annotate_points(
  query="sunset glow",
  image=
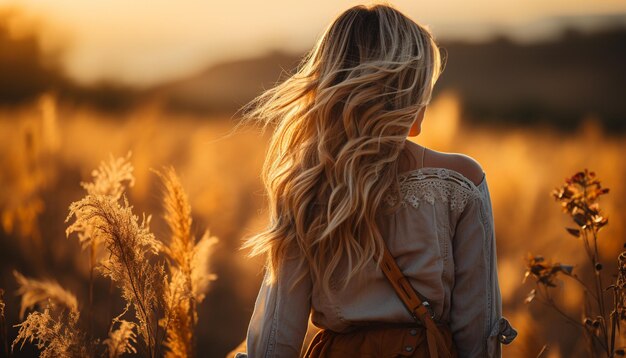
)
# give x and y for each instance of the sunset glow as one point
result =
(147, 41)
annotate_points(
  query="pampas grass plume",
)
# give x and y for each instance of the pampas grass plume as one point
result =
(34, 292)
(188, 266)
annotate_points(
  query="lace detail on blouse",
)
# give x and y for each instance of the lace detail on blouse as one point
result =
(430, 184)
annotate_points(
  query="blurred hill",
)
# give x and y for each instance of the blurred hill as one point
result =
(559, 81)
(225, 87)
(501, 82)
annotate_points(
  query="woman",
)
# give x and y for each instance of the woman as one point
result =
(343, 181)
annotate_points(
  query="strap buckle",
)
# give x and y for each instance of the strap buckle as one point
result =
(429, 308)
(419, 316)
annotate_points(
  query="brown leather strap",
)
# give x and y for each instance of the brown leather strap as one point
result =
(415, 303)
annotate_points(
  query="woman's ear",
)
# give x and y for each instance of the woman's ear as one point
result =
(416, 128)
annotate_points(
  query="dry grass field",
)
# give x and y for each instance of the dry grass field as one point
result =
(49, 148)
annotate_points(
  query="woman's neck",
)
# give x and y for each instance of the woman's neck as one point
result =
(410, 156)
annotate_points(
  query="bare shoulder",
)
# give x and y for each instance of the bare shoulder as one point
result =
(462, 163)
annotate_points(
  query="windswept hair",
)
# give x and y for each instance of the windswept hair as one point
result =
(340, 123)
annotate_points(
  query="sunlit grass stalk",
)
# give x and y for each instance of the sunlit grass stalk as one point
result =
(188, 267)
(111, 178)
(34, 292)
(121, 340)
(130, 246)
(55, 330)
(92, 267)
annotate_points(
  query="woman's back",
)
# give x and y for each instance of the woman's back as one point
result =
(420, 236)
(442, 234)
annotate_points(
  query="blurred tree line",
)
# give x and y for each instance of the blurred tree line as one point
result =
(500, 82)
(27, 71)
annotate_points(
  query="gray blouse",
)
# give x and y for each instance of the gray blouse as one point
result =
(443, 239)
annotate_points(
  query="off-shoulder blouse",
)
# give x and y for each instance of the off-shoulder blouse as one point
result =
(443, 239)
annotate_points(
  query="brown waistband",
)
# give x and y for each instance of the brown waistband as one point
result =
(379, 325)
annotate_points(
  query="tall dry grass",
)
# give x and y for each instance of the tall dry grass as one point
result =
(187, 265)
(28, 169)
(54, 328)
(110, 179)
(122, 339)
(132, 250)
(162, 283)
(35, 292)
(221, 180)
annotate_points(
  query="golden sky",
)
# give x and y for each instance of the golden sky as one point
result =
(144, 41)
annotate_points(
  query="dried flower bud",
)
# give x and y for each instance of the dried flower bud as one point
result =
(598, 266)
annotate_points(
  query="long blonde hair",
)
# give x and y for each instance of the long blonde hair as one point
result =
(340, 123)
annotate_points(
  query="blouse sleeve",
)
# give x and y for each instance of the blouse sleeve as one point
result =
(280, 318)
(476, 318)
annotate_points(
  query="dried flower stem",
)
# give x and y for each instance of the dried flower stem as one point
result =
(578, 199)
(583, 284)
(547, 299)
(543, 350)
(594, 259)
